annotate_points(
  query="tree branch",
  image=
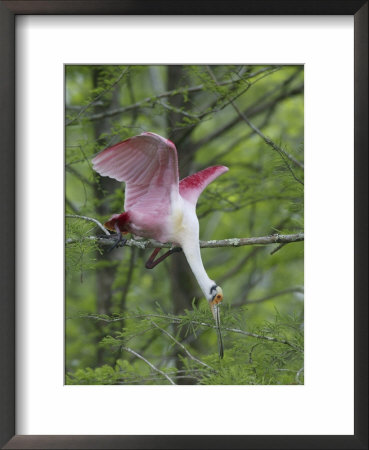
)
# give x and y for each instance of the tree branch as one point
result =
(267, 140)
(71, 205)
(298, 289)
(239, 266)
(89, 219)
(97, 97)
(233, 242)
(251, 111)
(149, 100)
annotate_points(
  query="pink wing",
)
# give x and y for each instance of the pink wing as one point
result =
(191, 187)
(147, 164)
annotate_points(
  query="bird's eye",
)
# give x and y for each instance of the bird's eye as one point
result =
(217, 299)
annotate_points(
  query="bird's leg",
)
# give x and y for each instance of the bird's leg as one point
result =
(152, 262)
(120, 241)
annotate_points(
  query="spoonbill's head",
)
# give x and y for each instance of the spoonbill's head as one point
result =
(118, 223)
(215, 298)
(110, 224)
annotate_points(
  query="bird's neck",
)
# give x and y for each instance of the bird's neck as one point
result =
(191, 250)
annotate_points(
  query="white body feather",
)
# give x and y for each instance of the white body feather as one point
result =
(183, 229)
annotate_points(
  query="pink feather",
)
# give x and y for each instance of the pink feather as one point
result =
(191, 187)
(148, 164)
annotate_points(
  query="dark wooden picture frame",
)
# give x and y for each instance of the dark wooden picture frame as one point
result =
(8, 12)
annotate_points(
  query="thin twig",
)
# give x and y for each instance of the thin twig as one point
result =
(182, 346)
(97, 97)
(298, 375)
(275, 294)
(143, 380)
(129, 350)
(239, 266)
(257, 336)
(267, 140)
(128, 282)
(175, 319)
(77, 174)
(179, 111)
(253, 110)
(251, 350)
(217, 157)
(272, 144)
(90, 219)
(71, 205)
(150, 100)
(277, 248)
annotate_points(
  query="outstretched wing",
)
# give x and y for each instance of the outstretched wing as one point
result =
(147, 164)
(191, 187)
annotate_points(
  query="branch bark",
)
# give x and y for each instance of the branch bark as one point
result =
(233, 242)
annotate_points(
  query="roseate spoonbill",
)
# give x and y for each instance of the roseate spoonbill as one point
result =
(159, 206)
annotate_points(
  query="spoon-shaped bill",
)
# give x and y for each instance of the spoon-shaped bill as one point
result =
(216, 314)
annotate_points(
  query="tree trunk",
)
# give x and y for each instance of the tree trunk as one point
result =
(105, 276)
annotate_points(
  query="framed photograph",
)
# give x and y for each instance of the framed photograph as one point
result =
(187, 186)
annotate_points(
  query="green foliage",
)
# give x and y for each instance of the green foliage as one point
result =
(270, 354)
(114, 306)
(80, 253)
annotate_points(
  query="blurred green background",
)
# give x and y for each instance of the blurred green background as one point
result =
(129, 325)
